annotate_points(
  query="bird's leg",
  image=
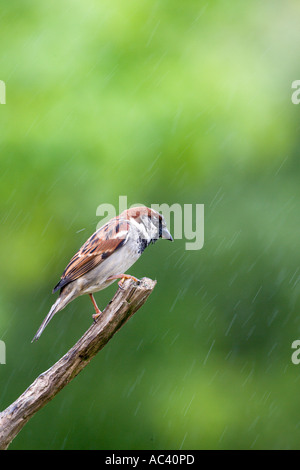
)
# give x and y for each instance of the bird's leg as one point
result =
(122, 277)
(97, 310)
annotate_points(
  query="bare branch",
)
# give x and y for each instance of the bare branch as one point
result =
(123, 305)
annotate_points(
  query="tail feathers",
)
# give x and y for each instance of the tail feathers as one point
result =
(58, 305)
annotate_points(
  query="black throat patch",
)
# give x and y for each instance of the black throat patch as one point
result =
(142, 244)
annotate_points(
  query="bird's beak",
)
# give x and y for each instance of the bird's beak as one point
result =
(166, 234)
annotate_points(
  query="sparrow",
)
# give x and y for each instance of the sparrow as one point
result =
(106, 256)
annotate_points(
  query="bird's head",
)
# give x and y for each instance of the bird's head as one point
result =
(152, 221)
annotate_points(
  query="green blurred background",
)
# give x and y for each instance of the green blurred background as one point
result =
(164, 102)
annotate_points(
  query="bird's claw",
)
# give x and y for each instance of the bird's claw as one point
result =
(95, 316)
(127, 276)
(122, 279)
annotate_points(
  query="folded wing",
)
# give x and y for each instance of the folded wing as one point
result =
(96, 249)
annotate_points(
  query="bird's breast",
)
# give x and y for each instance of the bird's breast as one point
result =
(117, 263)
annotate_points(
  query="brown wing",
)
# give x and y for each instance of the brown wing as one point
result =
(96, 249)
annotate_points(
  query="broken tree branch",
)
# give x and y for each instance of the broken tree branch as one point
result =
(124, 304)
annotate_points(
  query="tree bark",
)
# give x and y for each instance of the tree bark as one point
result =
(124, 304)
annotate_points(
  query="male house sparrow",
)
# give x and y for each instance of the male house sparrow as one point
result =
(106, 256)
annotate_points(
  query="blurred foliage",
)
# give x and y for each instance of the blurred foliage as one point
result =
(186, 102)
